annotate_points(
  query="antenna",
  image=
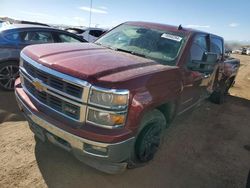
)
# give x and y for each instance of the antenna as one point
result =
(180, 27)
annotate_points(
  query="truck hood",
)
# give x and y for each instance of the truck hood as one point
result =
(92, 62)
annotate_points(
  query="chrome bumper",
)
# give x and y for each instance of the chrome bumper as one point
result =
(113, 162)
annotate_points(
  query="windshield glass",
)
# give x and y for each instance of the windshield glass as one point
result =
(162, 46)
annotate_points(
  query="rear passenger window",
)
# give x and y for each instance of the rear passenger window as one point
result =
(36, 37)
(67, 38)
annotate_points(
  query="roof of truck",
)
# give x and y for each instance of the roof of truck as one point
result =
(183, 30)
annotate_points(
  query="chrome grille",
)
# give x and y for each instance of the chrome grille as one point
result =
(53, 81)
(52, 101)
(59, 92)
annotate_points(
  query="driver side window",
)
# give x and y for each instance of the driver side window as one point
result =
(197, 50)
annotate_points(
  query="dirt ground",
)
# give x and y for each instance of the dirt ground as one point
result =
(205, 147)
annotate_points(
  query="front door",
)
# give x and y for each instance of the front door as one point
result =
(195, 82)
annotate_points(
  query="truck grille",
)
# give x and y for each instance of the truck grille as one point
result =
(53, 81)
(53, 102)
(62, 93)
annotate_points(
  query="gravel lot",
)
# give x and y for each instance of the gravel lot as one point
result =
(205, 147)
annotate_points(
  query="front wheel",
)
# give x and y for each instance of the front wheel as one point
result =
(148, 143)
(149, 138)
(9, 71)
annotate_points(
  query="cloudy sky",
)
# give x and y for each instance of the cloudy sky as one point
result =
(222, 17)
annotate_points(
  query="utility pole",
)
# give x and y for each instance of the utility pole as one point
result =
(90, 13)
(90, 16)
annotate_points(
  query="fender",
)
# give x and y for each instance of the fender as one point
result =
(146, 99)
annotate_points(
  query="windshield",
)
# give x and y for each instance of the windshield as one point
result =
(162, 46)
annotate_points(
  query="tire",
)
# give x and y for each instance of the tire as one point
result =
(9, 71)
(218, 97)
(149, 138)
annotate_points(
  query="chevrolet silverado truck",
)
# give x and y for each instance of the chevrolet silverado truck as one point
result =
(109, 102)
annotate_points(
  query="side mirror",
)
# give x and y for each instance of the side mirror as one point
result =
(205, 65)
(210, 57)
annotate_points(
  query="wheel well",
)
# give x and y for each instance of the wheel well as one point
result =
(168, 110)
(231, 80)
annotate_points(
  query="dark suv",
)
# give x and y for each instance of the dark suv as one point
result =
(13, 38)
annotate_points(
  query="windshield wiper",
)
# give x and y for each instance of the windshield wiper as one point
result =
(130, 52)
(109, 47)
(121, 50)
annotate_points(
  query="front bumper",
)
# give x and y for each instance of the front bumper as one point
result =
(113, 161)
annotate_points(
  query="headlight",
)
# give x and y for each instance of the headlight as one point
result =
(111, 99)
(105, 118)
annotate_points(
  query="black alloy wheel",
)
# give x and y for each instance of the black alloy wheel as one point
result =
(149, 142)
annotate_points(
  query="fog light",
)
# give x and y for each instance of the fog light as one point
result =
(97, 150)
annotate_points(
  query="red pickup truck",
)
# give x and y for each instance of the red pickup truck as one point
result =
(109, 102)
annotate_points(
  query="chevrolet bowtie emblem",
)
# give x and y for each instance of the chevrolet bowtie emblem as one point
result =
(38, 85)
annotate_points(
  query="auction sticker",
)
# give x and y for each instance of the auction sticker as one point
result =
(171, 37)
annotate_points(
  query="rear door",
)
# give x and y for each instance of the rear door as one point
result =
(216, 47)
(9, 49)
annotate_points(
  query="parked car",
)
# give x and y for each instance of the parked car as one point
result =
(228, 52)
(2, 23)
(14, 37)
(89, 34)
(109, 102)
(237, 51)
(245, 51)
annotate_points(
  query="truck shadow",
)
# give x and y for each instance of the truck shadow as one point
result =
(176, 164)
(9, 110)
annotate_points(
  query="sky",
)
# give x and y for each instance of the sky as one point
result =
(227, 18)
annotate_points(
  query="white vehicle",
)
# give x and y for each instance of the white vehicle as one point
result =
(89, 34)
(238, 51)
(246, 51)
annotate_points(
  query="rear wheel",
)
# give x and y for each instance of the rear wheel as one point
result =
(149, 139)
(9, 71)
(218, 97)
